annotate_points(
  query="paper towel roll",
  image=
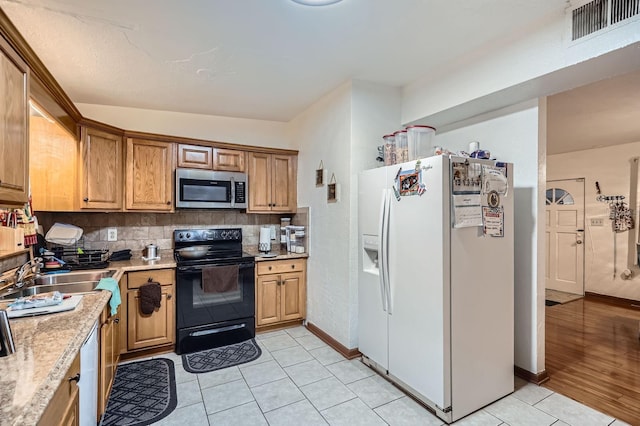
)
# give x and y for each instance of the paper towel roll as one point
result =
(265, 239)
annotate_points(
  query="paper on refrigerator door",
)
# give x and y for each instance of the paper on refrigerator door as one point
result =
(467, 210)
(494, 179)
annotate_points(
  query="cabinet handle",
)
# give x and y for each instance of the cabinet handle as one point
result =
(169, 296)
(85, 199)
(269, 267)
(116, 320)
(293, 266)
(75, 378)
(168, 203)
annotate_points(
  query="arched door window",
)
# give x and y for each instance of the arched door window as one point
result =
(559, 196)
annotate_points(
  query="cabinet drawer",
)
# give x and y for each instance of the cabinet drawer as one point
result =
(162, 276)
(280, 266)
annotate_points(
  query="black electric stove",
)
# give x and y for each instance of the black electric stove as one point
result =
(210, 311)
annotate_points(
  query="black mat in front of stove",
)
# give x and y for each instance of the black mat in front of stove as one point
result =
(210, 336)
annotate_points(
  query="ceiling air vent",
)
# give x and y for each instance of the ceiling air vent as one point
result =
(599, 14)
(589, 18)
(623, 9)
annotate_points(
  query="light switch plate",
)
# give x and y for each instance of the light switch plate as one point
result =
(112, 234)
(597, 222)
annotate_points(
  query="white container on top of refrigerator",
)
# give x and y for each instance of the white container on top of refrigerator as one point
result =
(435, 303)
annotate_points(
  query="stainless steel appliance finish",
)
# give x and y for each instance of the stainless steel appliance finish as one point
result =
(209, 318)
(204, 189)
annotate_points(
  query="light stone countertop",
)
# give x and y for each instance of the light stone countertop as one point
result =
(280, 255)
(46, 346)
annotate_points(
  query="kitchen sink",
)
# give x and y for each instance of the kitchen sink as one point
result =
(72, 282)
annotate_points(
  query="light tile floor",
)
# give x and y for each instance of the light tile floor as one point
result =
(299, 380)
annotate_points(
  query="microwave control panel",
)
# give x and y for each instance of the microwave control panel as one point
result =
(240, 192)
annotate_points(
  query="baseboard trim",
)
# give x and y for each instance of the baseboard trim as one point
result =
(612, 300)
(527, 375)
(343, 350)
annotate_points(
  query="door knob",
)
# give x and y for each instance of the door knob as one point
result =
(578, 241)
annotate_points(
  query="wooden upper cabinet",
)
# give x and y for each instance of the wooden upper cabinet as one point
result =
(259, 182)
(100, 170)
(209, 158)
(195, 156)
(283, 183)
(14, 124)
(149, 180)
(272, 183)
(53, 188)
(229, 160)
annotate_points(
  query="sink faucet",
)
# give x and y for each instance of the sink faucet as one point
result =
(31, 269)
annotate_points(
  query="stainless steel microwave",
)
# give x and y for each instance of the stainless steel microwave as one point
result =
(206, 189)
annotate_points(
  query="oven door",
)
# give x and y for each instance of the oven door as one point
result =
(199, 303)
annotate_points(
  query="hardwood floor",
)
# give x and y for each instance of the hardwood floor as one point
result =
(593, 356)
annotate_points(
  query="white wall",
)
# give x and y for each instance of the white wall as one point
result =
(212, 128)
(542, 57)
(343, 130)
(323, 132)
(512, 136)
(611, 168)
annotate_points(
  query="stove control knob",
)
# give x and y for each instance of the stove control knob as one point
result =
(188, 235)
(180, 235)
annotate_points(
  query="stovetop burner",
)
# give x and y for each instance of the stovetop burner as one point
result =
(224, 246)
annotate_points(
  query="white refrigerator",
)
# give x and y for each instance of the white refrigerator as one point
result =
(435, 290)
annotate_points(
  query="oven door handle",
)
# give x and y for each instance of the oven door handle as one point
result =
(199, 268)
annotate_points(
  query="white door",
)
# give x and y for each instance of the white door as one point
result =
(565, 235)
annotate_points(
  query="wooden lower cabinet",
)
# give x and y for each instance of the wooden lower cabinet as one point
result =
(64, 407)
(280, 291)
(148, 331)
(109, 355)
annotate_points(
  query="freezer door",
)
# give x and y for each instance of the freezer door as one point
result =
(419, 292)
(372, 315)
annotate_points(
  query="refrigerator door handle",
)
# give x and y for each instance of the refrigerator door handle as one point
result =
(387, 278)
(381, 253)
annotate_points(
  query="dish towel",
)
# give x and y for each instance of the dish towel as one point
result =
(150, 297)
(110, 284)
(220, 279)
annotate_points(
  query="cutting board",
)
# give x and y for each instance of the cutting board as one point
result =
(66, 305)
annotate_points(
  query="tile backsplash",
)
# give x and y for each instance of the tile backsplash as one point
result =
(136, 230)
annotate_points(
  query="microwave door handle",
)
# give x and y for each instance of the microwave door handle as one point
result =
(233, 192)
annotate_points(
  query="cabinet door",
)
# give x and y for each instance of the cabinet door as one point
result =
(14, 144)
(267, 299)
(292, 296)
(101, 170)
(149, 175)
(259, 182)
(150, 330)
(72, 412)
(195, 157)
(283, 184)
(228, 160)
(53, 166)
(108, 358)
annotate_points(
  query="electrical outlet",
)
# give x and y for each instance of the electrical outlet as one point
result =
(597, 222)
(112, 234)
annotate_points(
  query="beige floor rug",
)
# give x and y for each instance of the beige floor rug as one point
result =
(561, 296)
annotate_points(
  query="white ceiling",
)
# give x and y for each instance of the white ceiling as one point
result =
(262, 59)
(270, 59)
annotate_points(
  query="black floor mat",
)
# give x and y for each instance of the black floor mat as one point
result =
(222, 357)
(143, 393)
